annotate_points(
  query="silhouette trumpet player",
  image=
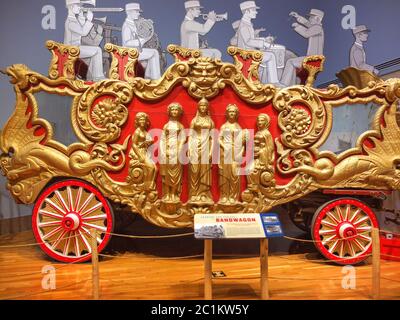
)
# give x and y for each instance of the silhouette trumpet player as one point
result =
(219, 17)
(79, 23)
(191, 29)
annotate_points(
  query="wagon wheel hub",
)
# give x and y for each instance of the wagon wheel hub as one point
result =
(71, 221)
(346, 230)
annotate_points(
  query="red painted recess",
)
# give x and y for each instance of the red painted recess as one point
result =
(353, 192)
(318, 222)
(51, 189)
(157, 112)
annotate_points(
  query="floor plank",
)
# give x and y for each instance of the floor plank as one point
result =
(135, 275)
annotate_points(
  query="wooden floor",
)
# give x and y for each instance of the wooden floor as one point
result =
(142, 276)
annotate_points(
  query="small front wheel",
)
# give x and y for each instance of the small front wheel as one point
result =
(63, 217)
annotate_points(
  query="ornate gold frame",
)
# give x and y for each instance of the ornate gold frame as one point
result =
(31, 158)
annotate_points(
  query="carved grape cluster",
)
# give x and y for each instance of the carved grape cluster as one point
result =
(298, 121)
(106, 112)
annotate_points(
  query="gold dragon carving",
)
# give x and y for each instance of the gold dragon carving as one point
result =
(29, 161)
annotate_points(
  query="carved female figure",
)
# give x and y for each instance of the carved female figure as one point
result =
(142, 170)
(200, 156)
(231, 143)
(171, 144)
(262, 170)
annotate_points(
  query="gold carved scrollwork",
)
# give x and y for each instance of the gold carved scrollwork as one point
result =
(313, 70)
(256, 59)
(129, 68)
(302, 117)
(204, 78)
(72, 53)
(356, 77)
(181, 53)
(101, 121)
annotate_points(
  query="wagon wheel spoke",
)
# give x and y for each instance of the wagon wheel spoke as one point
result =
(90, 235)
(339, 213)
(84, 205)
(347, 213)
(329, 240)
(351, 247)
(62, 201)
(364, 229)
(327, 232)
(49, 224)
(329, 224)
(70, 199)
(55, 206)
(50, 214)
(76, 245)
(94, 218)
(355, 214)
(364, 237)
(59, 238)
(67, 243)
(92, 209)
(78, 199)
(341, 249)
(85, 241)
(52, 233)
(332, 216)
(361, 220)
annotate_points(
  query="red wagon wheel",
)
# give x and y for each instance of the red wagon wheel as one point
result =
(342, 229)
(63, 217)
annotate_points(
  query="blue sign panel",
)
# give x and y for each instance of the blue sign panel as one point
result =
(272, 225)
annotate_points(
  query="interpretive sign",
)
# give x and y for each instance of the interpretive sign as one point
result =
(237, 226)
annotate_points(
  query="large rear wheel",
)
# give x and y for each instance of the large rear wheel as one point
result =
(342, 229)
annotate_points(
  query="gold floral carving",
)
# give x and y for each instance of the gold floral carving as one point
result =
(129, 68)
(302, 116)
(102, 121)
(181, 53)
(72, 53)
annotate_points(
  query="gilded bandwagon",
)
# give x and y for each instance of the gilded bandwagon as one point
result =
(172, 141)
(31, 157)
(200, 156)
(231, 143)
